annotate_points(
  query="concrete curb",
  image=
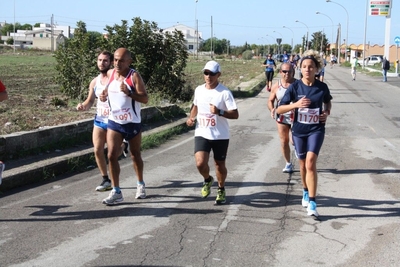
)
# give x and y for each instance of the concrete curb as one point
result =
(389, 74)
(62, 162)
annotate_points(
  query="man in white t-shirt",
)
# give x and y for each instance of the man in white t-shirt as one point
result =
(213, 105)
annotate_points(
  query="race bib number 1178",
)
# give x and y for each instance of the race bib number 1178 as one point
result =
(206, 120)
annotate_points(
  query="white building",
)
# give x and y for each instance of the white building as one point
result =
(193, 39)
(43, 37)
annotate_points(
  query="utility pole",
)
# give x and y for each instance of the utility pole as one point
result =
(322, 39)
(387, 36)
(365, 33)
(52, 33)
(197, 39)
(338, 42)
(196, 51)
(212, 36)
(14, 29)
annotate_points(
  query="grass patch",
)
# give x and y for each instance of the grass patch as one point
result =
(155, 140)
(249, 93)
(374, 73)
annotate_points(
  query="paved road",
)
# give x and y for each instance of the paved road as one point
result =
(63, 223)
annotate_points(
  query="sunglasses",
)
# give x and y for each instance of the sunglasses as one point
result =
(209, 73)
(285, 71)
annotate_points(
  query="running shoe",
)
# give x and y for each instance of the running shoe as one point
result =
(2, 166)
(125, 151)
(104, 186)
(220, 197)
(140, 191)
(288, 168)
(206, 190)
(312, 209)
(305, 199)
(113, 198)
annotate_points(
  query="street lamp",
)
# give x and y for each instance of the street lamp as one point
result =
(269, 44)
(279, 34)
(279, 43)
(292, 34)
(320, 13)
(347, 26)
(262, 40)
(307, 45)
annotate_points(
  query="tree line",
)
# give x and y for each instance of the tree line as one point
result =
(318, 42)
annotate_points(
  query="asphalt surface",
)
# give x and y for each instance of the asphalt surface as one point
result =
(62, 222)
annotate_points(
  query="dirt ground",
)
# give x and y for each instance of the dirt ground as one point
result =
(34, 100)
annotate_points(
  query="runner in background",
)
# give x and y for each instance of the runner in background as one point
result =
(269, 65)
(99, 134)
(283, 121)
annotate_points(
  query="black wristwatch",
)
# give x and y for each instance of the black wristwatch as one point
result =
(221, 112)
(130, 93)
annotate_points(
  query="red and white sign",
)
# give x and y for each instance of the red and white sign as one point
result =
(380, 8)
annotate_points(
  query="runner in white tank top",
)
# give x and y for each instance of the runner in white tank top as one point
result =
(97, 85)
(103, 109)
(124, 109)
(125, 92)
(283, 121)
(286, 118)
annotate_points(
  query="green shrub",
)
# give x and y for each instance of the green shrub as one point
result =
(247, 55)
(10, 41)
(346, 64)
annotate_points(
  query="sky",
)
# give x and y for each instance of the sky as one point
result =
(250, 21)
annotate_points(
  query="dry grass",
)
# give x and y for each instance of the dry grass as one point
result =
(35, 101)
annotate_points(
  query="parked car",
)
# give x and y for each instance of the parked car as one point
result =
(372, 60)
(279, 57)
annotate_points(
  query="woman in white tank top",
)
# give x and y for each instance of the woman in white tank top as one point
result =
(283, 121)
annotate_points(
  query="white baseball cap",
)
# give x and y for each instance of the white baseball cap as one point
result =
(212, 66)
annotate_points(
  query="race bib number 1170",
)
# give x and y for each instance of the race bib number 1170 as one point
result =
(308, 115)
